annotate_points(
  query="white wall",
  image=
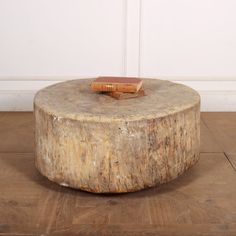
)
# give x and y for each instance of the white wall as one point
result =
(188, 38)
(61, 37)
(189, 41)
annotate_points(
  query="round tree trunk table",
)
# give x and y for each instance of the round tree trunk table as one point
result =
(96, 143)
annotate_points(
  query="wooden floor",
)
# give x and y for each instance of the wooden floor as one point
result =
(200, 202)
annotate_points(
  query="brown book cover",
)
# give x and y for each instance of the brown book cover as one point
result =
(116, 84)
(121, 95)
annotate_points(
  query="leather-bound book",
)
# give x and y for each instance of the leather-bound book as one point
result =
(117, 84)
(121, 95)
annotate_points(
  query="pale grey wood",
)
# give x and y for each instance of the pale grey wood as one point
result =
(99, 144)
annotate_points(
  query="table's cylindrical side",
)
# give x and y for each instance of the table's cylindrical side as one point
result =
(116, 156)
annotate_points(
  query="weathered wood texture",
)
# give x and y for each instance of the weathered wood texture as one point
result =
(95, 143)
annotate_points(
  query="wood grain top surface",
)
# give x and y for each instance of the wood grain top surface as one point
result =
(74, 99)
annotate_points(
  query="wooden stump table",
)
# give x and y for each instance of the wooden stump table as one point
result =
(96, 143)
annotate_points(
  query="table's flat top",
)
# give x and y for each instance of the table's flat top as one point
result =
(74, 99)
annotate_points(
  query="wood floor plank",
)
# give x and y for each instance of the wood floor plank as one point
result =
(222, 126)
(208, 143)
(16, 132)
(26, 198)
(3, 234)
(202, 199)
(149, 230)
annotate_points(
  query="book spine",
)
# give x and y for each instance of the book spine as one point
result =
(120, 95)
(127, 88)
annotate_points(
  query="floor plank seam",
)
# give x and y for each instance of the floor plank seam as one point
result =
(212, 135)
(227, 157)
(53, 214)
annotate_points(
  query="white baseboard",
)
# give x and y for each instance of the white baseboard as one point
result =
(217, 94)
